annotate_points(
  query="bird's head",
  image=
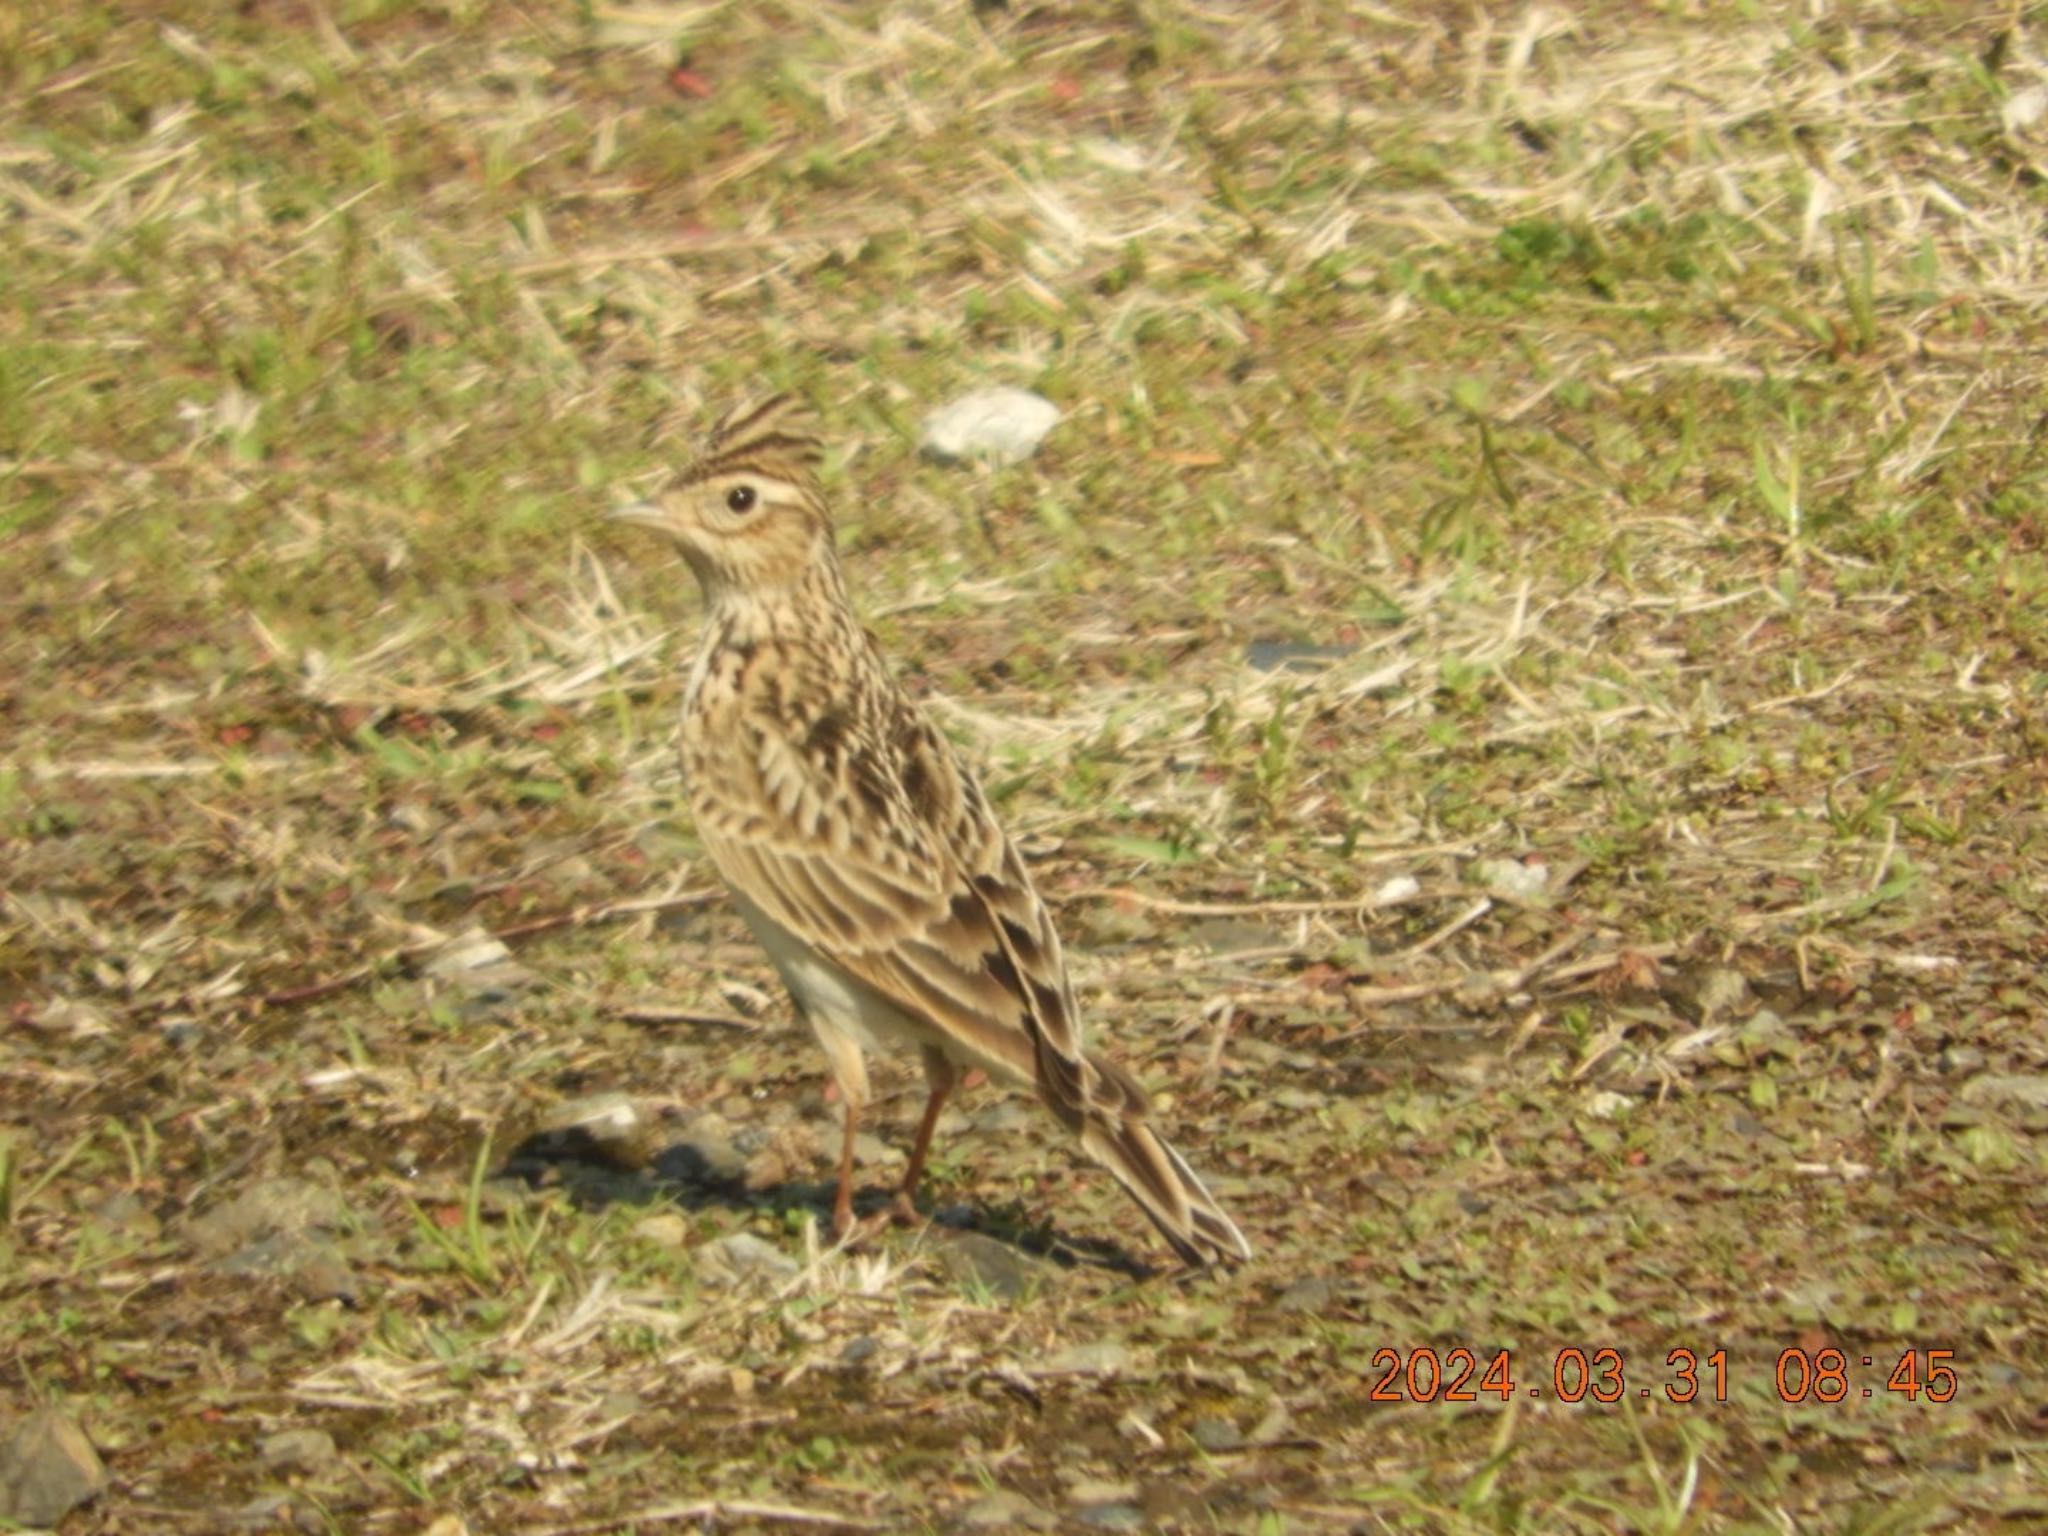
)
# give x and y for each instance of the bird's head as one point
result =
(748, 514)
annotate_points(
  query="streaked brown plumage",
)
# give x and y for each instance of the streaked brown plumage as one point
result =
(862, 854)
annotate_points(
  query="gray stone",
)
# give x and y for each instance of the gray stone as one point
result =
(266, 1509)
(47, 1469)
(977, 1259)
(270, 1208)
(742, 1254)
(1720, 991)
(1004, 1510)
(1099, 1357)
(1106, 1506)
(1311, 1293)
(607, 1128)
(280, 1227)
(703, 1152)
(477, 964)
(1294, 655)
(1113, 1517)
(1765, 1030)
(2014, 1090)
(281, 1511)
(297, 1450)
(1305, 1100)
(124, 1212)
(324, 1275)
(1214, 1433)
(1960, 1058)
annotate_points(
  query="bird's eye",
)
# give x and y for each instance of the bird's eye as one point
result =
(740, 498)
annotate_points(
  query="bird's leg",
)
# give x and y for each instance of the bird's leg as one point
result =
(850, 1073)
(939, 1076)
(842, 1203)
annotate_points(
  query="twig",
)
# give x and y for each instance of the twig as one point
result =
(165, 769)
(1412, 992)
(289, 996)
(707, 1510)
(1515, 981)
(1502, 982)
(656, 1015)
(408, 954)
(1252, 908)
(1458, 924)
(581, 917)
(1607, 960)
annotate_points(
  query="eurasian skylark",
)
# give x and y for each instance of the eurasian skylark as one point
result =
(860, 850)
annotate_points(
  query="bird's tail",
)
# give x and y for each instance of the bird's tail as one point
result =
(1116, 1132)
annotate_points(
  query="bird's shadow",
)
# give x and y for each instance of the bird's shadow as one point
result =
(593, 1178)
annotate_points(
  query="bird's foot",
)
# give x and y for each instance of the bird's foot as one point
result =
(846, 1227)
(903, 1211)
(858, 1231)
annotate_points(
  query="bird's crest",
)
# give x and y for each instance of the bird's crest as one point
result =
(774, 437)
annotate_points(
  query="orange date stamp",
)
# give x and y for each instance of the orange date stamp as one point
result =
(1577, 1375)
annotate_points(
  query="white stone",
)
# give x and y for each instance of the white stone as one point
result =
(1001, 424)
(2023, 109)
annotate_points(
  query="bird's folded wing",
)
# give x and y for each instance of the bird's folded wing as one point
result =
(920, 898)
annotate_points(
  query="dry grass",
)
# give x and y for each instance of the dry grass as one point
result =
(1620, 930)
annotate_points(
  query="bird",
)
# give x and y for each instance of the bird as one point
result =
(859, 847)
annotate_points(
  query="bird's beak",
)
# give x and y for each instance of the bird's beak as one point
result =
(647, 514)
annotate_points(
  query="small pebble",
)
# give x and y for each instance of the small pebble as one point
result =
(1113, 1517)
(297, 1450)
(1100, 1357)
(1960, 1058)
(665, 1229)
(1212, 1433)
(1004, 1510)
(1311, 1293)
(742, 1254)
(1514, 880)
(1095, 1490)
(124, 1212)
(605, 1128)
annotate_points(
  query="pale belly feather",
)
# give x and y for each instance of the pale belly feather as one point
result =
(832, 1000)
